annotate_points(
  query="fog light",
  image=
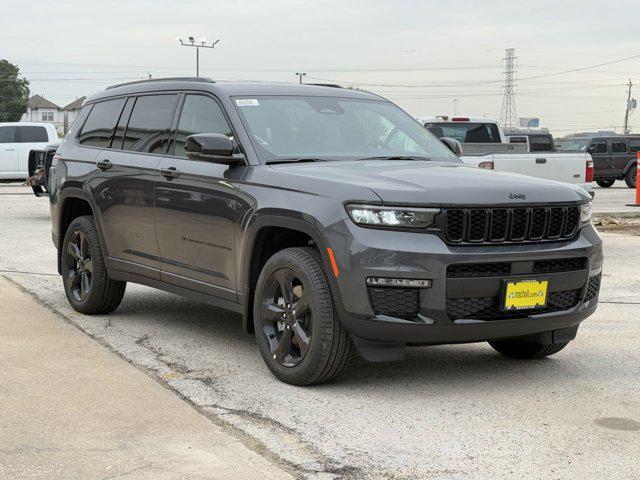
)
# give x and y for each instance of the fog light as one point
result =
(398, 282)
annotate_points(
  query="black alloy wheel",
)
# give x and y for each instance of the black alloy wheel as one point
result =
(78, 274)
(286, 317)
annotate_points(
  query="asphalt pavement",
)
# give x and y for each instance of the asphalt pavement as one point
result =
(446, 412)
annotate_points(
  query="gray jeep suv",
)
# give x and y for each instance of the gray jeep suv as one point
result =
(329, 218)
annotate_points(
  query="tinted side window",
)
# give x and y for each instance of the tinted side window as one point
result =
(618, 146)
(540, 143)
(7, 134)
(199, 114)
(600, 146)
(148, 128)
(118, 136)
(634, 145)
(28, 134)
(98, 128)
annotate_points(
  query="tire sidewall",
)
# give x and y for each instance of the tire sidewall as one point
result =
(309, 364)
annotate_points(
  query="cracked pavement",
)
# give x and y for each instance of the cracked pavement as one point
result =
(448, 412)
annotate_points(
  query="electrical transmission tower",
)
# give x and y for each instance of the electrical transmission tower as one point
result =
(508, 114)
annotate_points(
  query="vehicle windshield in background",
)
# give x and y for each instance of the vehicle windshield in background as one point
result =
(575, 145)
(332, 128)
(466, 132)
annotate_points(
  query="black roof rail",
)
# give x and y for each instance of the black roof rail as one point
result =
(330, 85)
(166, 79)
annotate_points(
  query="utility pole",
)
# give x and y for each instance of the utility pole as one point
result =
(300, 75)
(508, 114)
(198, 46)
(455, 106)
(631, 104)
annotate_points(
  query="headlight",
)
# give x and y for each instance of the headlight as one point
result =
(398, 217)
(585, 212)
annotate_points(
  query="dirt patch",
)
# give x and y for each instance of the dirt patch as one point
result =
(629, 226)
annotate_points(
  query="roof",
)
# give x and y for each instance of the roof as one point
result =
(225, 88)
(38, 101)
(76, 104)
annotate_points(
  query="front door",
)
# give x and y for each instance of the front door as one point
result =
(601, 158)
(8, 152)
(195, 208)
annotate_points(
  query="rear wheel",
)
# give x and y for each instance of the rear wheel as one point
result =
(526, 349)
(631, 177)
(86, 283)
(605, 182)
(298, 332)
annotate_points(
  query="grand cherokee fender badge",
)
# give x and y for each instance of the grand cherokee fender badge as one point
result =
(517, 196)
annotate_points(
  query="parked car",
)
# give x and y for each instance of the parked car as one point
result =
(614, 157)
(329, 218)
(535, 141)
(17, 139)
(484, 144)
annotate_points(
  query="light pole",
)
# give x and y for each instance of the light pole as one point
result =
(300, 75)
(202, 44)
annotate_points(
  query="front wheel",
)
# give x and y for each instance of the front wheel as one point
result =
(86, 283)
(631, 177)
(298, 332)
(526, 350)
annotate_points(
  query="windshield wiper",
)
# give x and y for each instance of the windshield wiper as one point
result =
(397, 157)
(295, 160)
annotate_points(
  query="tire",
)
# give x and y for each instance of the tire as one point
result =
(605, 182)
(526, 350)
(307, 346)
(631, 176)
(86, 283)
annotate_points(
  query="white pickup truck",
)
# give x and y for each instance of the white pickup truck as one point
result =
(485, 145)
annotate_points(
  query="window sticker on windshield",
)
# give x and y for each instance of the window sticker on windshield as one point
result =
(247, 102)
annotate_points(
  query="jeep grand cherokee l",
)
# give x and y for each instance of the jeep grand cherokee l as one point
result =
(328, 217)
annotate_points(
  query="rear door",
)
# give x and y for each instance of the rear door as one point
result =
(124, 187)
(619, 157)
(195, 207)
(8, 152)
(30, 137)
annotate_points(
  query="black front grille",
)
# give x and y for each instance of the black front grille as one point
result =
(593, 288)
(394, 302)
(520, 224)
(488, 308)
(473, 270)
(560, 265)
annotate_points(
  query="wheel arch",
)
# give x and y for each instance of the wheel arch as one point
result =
(630, 164)
(252, 257)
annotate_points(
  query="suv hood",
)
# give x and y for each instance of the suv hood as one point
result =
(437, 183)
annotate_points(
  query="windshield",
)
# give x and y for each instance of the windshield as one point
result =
(575, 145)
(332, 128)
(466, 132)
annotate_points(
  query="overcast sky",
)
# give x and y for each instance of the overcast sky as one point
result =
(72, 48)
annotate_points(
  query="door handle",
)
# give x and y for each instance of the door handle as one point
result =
(9, 149)
(170, 173)
(541, 160)
(104, 165)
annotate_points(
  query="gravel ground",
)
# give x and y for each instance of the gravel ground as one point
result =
(448, 412)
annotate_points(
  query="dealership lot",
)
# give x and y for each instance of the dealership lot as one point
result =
(440, 414)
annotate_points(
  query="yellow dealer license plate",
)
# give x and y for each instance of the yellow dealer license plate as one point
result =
(525, 294)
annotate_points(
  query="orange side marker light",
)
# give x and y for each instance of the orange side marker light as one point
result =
(334, 265)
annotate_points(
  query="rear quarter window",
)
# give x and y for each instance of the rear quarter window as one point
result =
(99, 126)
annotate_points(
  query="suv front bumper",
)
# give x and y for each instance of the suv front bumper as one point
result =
(440, 317)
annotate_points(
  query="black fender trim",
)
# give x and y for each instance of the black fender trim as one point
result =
(630, 164)
(246, 296)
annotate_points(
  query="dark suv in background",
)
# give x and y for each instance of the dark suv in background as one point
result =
(614, 157)
(329, 218)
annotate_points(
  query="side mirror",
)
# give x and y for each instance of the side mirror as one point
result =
(453, 145)
(212, 147)
(591, 149)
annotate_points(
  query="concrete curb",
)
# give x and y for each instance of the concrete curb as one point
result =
(601, 215)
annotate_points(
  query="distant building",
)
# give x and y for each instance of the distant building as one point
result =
(39, 109)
